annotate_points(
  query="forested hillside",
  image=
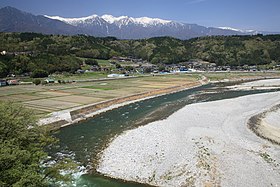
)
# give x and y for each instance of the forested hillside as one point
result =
(29, 52)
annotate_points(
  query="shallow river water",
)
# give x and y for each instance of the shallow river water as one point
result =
(84, 141)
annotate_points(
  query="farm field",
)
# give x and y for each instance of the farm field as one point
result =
(45, 99)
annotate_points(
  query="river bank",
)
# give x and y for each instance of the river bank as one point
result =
(202, 144)
(267, 124)
(257, 85)
(74, 115)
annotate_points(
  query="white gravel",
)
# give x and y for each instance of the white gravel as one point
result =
(204, 144)
(260, 85)
(273, 118)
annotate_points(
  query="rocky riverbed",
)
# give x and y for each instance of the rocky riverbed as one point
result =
(203, 144)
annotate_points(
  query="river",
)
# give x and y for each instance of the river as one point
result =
(85, 140)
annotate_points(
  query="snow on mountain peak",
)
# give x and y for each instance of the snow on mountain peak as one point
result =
(111, 19)
(126, 20)
(121, 20)
(150, 21)
(230, 28)
(142, 20)
(238, 30)
(73, 21)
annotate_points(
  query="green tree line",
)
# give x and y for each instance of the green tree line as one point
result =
(29, 52)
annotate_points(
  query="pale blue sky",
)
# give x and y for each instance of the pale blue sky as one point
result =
(263, 15)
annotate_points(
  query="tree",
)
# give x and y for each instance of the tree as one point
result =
(147, 70)
(21, 62)
(57, 53)
(3, 70)
(37, 81)
(92, 62)
(90, 53)
(129, 68)
(118, 66)
(161, 68)
(22, 155)
(39, 74)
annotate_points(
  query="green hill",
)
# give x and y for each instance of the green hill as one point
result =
(28, 52)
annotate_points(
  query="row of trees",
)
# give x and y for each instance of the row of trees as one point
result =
(47, 63)
(55, 53)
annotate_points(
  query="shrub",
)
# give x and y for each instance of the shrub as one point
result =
(37, 81)
(92, 62)
(39, 74)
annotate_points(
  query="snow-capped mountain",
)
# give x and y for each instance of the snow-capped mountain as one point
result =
(240, 30)
(144, 27)
(120, 21)
(74, 21)
(123, 27)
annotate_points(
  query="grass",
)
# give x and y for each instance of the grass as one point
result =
(102, 62)
(71, 77)
(128, 64)
(267, 157)
(84, 76)
(216, 76)
(97, 88)
(85, 67)
(54, 97)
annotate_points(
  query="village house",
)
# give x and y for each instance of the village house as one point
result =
(12, 82)
(80, 71)
(95, 68)
(3, 82)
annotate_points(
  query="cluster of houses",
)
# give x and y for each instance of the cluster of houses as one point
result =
(141, 66)
(124, 66)
(12, 82)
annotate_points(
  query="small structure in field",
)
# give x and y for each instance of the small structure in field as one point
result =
(49, 80)
(116, 75)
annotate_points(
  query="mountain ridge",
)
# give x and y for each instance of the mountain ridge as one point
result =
(145, 21)
(14, 20)
(122, 27)
(126, 27)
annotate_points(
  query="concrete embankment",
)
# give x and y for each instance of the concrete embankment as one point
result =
(74, 115)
